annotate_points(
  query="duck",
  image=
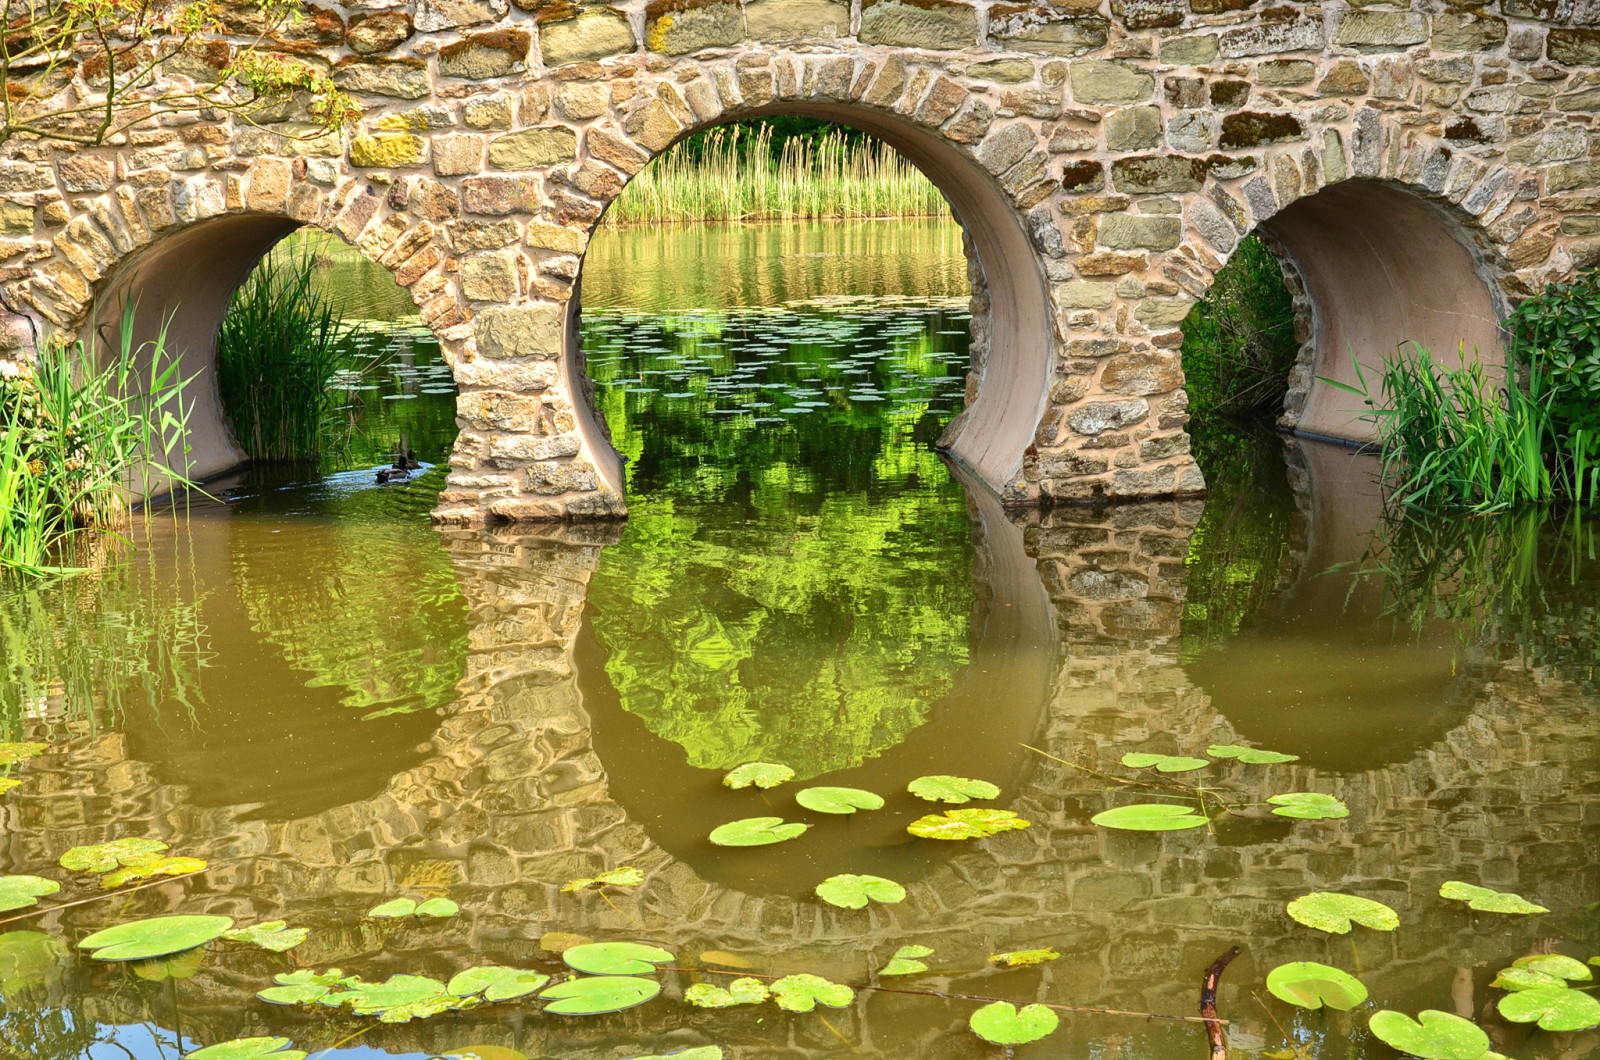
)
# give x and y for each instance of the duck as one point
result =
(407, 462)
(392, 474)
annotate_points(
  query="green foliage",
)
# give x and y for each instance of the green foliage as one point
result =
(849, 891)
(496, 983)
(273, 936)
(1334, 913)
(19, 892)
(615, 958)
(1312, 985)
(276, 354)
(623, 876)
(965, 824)
(159, 936)
(756, 832)
(1308, 806)
(755, 172)
(1487, 900)
(599, 995)
(1250, 756)
(1434, 1035)
(248, 1049)
(304, 986)
(1163, 763)
(104, 857)
(907, 960)
(802, 993)
(838, 800)
(393, 909)
(1025, 958)
(1238, 341)
(761, 774)
(944, 788)
(742, 991)
(1150, 817)
(1003, 1023)
(1554, 1008)
(12, 753)
(74, 438)
(1555, 343)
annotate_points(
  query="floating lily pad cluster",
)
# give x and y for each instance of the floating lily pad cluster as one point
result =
(124, 861)
(624, 876)
(400, 908)
(1191, 813)
(793, 993)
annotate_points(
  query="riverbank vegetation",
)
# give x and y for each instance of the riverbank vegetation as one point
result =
(276, 354)
(1456, 433)
(76, 444)
(770, 171)
(1238, 341)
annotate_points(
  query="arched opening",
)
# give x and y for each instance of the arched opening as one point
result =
(1380, 267)
(1007, 394)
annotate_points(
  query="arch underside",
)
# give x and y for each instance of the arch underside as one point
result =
(1382, 267)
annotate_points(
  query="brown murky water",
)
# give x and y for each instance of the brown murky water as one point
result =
(334, 704)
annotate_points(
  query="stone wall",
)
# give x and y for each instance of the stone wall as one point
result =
(1105, 158)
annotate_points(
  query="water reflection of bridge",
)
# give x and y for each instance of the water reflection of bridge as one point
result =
(1078, 633)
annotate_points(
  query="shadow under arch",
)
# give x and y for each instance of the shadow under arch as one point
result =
(990, 436)
(1380, 265)
(183, 282)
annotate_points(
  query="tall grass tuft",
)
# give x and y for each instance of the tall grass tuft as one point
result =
(1459, 437)
(736, 174)
(278, 348)
(78, 441)
(1238, 342)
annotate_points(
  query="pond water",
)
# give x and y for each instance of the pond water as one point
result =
(334, 705)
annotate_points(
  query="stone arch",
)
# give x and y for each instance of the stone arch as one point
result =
(1012, 366)
(178, 257)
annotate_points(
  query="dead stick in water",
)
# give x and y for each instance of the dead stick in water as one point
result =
(1208, 1003)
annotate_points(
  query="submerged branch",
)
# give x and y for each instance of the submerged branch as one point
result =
(1208, 1004)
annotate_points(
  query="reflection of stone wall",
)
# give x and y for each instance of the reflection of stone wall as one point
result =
(514, 802)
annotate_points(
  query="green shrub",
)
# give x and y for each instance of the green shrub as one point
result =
(74, 439)
(1238, 341)
(279, 346)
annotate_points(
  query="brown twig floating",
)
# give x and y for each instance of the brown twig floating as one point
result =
(1208, 1004)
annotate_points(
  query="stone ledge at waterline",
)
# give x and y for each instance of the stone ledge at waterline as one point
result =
(1106, 159)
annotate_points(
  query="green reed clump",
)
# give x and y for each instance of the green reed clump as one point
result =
(78, 442)
(1238, 341)
(741, 174)
(278, 348)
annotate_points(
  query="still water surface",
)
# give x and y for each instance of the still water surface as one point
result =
(335, 704)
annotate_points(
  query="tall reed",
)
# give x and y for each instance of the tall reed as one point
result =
(278, 348)
(736, 175)
(78, 441)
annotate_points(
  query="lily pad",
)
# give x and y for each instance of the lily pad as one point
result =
(1434, 1035)
(438, 908)
(1312, 985)
(742, 991)
(154, 937)
(393, 909)
(756, 832)
(248, 1049)
(1024, 958)
(1309, 806)
(272, 936)
(907, 961)
(699, 1052)
(1334, 913)
(1486, 900)
(942, 788)
(12, 753)
(1252, 756)
(28, 959)
(624, 876)
(838, 800)
(104, 857)
(143, 870)
(599, 995)
(304, 986)
(965, 824)
(853, 892)
(19, 892)
(1556, 964)
(398, 999)
(496, 983)
(1163, 763)
(761, 774)
(7, 783)
(1526, 979)
(1150, 817)
(615, 958)
(1003, 1023)
(1555, 1008)
(802, 993)
(178, 966)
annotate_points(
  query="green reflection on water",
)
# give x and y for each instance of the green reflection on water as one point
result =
(794, 583)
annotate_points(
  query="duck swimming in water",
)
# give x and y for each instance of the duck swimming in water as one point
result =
(392, 474)
(407, 462)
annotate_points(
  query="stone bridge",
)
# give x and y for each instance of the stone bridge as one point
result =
(1417, 166)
